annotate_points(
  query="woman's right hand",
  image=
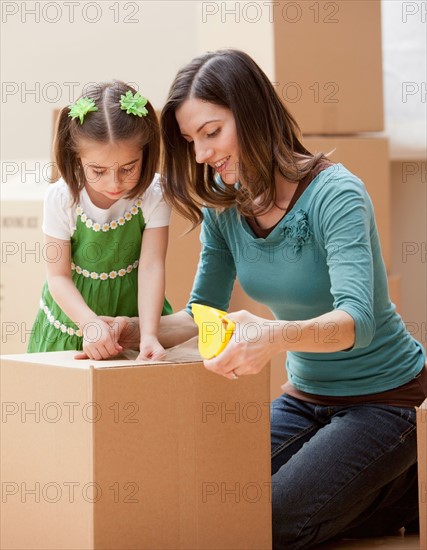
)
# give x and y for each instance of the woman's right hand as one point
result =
(99, 340)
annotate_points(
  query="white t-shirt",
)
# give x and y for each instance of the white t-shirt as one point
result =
(60, 215)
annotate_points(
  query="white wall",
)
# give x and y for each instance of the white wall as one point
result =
(49, 56)
(245, 25)
(404, 39)
(51, 50)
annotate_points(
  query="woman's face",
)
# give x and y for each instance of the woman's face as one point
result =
(212, 130)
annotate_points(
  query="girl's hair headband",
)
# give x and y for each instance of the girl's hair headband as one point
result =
(133, 104)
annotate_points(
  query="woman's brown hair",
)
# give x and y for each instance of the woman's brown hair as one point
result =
(267, 137)
(108, 124)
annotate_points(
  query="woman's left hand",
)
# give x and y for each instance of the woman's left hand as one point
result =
(250, 348)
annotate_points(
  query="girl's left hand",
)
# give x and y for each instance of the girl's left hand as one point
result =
(250, 348)
(150, 348)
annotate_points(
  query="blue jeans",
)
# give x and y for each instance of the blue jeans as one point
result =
(341, 471)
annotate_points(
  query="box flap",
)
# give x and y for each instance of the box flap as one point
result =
(184, 353)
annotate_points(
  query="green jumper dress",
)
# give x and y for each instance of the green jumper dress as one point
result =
(105, 271)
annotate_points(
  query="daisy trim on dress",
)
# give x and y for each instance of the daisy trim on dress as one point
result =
(95, 226)
(104, 276)
(56, 323)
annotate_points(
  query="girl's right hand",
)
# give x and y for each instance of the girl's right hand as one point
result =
(99, 340)
(150, 348)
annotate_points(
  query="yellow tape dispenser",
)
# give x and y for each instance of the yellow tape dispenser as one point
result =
(215, 329)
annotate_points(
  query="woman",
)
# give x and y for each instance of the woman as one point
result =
(300, 234)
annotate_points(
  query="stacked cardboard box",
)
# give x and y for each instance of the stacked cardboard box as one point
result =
(328, 65)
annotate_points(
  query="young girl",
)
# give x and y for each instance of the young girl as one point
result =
(106, 226)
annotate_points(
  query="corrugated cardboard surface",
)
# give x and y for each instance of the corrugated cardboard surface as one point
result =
(367, 158)
(422, 471)
(181, 260)
(46, 458)
(160, 456)
(328, 64)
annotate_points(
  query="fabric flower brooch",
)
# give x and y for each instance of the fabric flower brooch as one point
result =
(297, 230)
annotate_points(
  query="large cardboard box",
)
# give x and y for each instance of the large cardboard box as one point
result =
(328, 64)
(128, 455)
(422, 471)
(23, 252)
(367, 157)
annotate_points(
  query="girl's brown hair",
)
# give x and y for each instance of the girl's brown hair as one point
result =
(267, 137)
(110, 123)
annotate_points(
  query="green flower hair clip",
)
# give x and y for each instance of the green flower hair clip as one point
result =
(133, 104)
(81, 108)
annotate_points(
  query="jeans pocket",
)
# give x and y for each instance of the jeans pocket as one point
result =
(409, 414)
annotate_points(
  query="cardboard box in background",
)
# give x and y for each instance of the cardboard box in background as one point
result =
(328, 65)
(422, 471)
(408, 236)
(117, 455)
(367, 158)
(23, 254)
(181, 260)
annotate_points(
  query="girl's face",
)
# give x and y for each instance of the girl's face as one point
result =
(212, 130)
(111, 169)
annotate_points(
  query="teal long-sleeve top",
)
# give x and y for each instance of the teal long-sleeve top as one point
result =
(323, 255)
